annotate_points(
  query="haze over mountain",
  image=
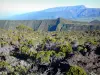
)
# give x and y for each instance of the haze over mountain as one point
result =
(79, 12)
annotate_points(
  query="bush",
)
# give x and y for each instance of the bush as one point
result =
(24, 28)
(6, 65)
(44, 56)
(80, 48)
(66, 48)
(60, 55)
(3, 43)
(3, 64)
(30, 43)
(24, 49)
(76, 70)
(50, 39)
(25, 46)
(92, 41)
(21, 69)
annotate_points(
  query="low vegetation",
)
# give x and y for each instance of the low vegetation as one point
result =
(31, 52)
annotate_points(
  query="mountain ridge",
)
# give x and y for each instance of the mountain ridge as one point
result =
(78, 13)
(58, 24)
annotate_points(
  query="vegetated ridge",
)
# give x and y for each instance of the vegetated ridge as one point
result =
(58, 24)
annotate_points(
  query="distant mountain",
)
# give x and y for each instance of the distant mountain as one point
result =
(58, 24)
(95, 22)
(79, 12)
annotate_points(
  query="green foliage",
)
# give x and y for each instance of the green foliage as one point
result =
(24, 49)
(21, 69)
(6, 65)
(92, 41)
(3, 64)
(49, 39)
(69, 47)
(3, 43)
(27, 42)
(80, 48)
(44, 56)
(76, 70)
(24, 28)
(60, 55)
(66, 48)
(40, 54)
(30, 42)
(3, 73)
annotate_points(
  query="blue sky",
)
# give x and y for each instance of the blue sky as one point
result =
(12, 7)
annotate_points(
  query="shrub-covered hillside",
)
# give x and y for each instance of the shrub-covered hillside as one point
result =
(24, 51)
(58, 24)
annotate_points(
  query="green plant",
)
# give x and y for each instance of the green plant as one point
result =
(3, 43)
(66, 48)
(6, 65)
(44, 56)
(76, 70)
(24, 28)
(60, 55)
(3, 64)
(80, 48)
(21, 69)
(3, 73)
(92, 41)
(24, 49)
(30, 43)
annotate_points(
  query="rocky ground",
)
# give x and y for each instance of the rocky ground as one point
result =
(49, 53)
(90, 61)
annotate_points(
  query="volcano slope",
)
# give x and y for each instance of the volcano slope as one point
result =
(24, 51)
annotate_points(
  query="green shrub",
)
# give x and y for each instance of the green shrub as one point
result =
(3, 43)
(92, 41)
(24, 28)
(60, 55)
(76, 70)
(3, 73)
(80, 48)
(44, 56)
(66, 48)
(24, 49)
(27, 42)
(21, 69)
(49, 39)
(3, 64)
(6, 65)
(30, 43)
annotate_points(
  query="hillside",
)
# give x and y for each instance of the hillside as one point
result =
(95, 22)
(58, 24)
(27, 52)
(79, 12)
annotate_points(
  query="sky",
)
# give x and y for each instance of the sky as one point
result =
(12, 7)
